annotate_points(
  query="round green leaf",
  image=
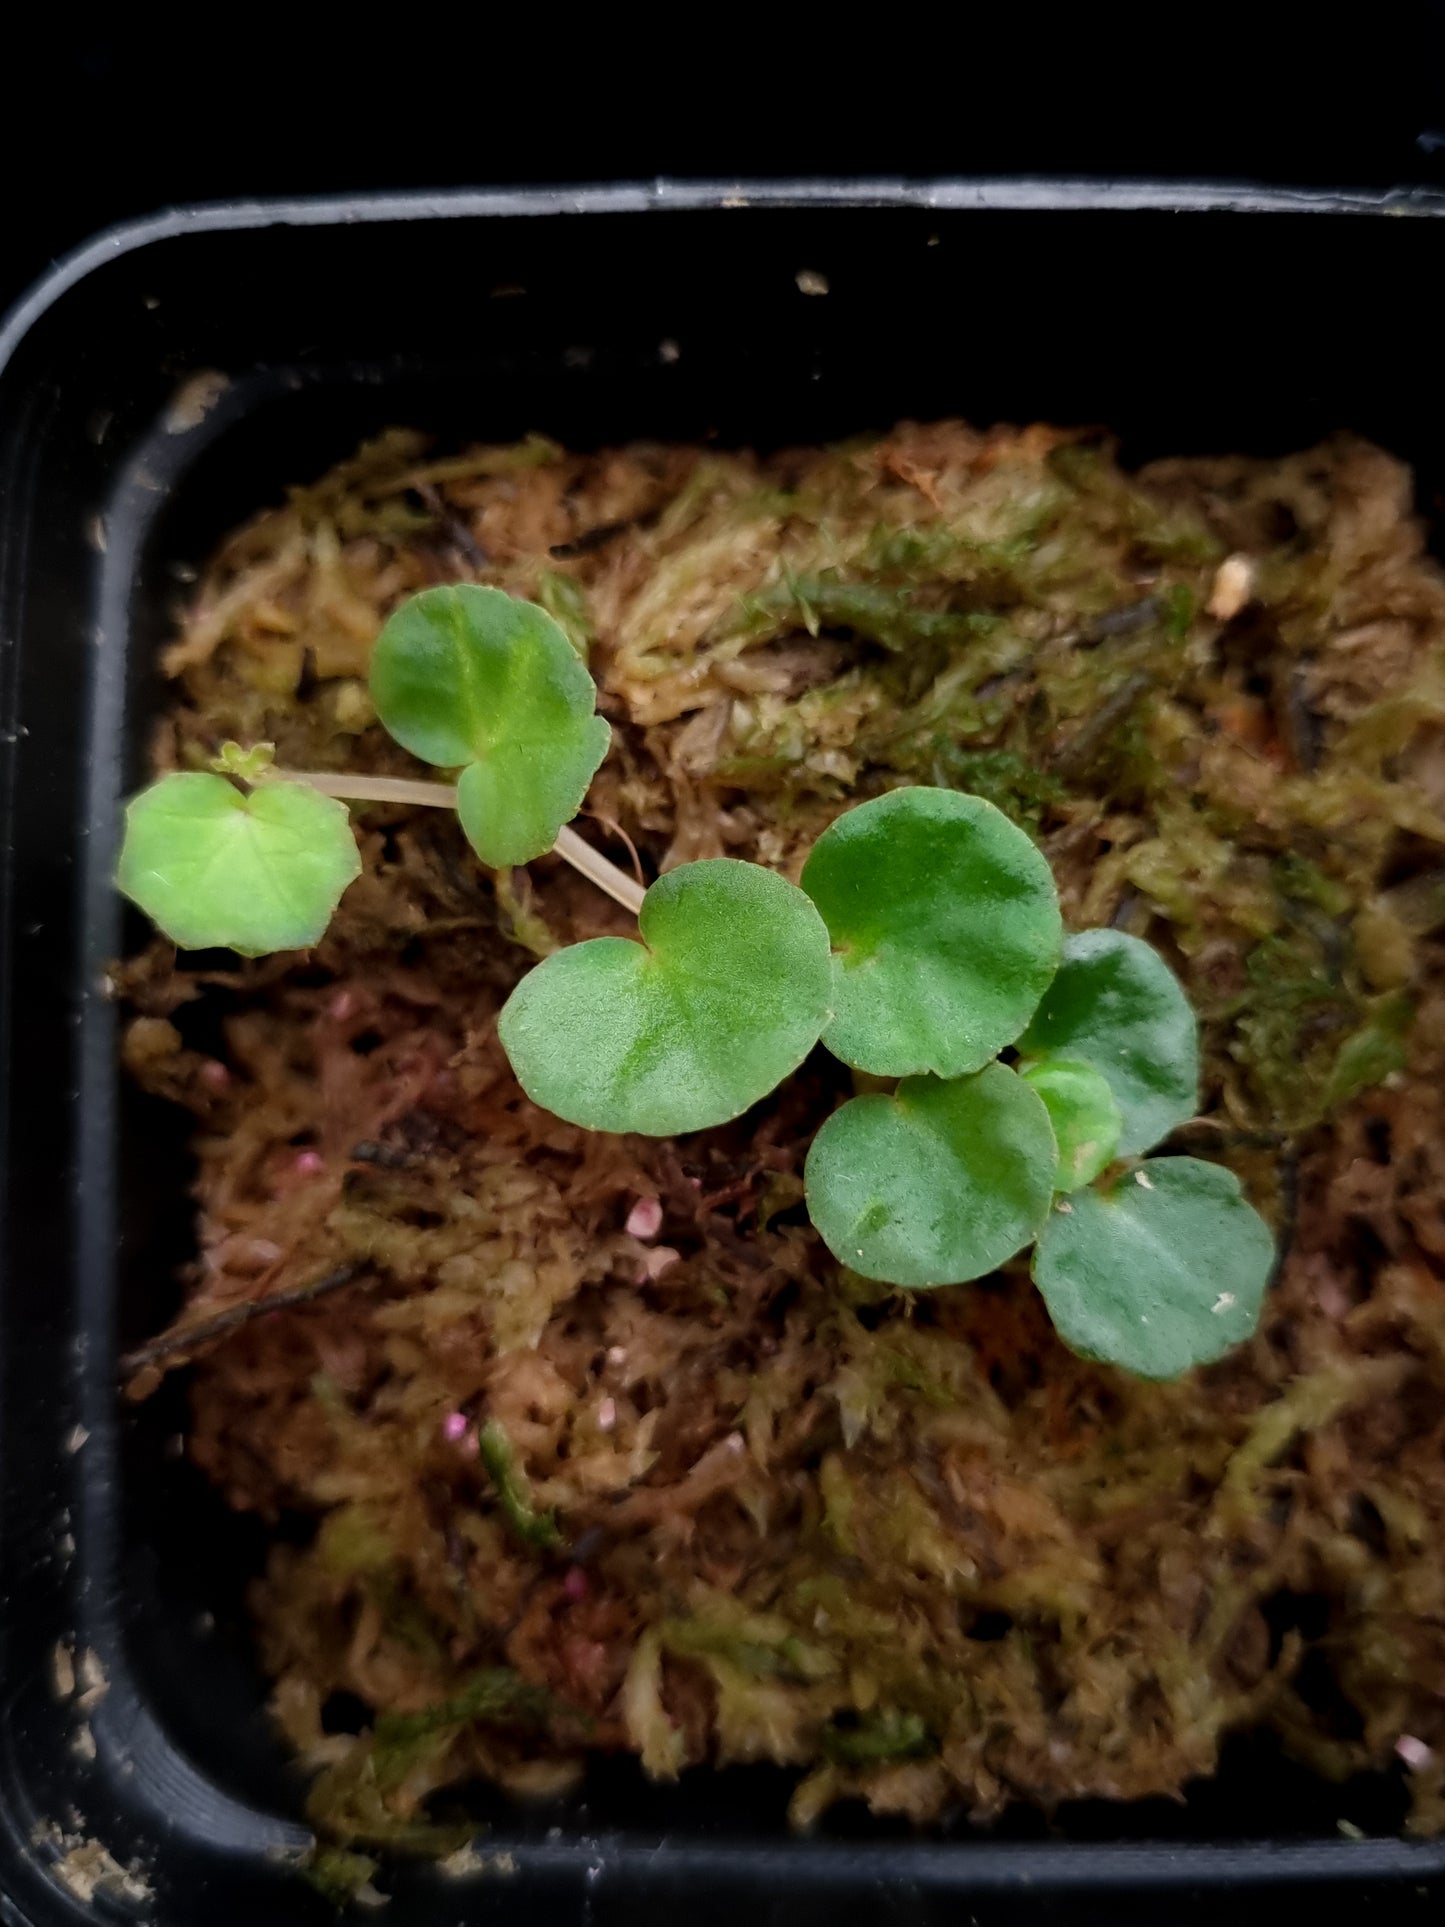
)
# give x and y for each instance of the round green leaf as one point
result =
(726, 994)
(936, 1184)
(252, 873)
(1163, 1271)
(1086, 1120)
(473, 679)
(1117, 1005)
(945, 928)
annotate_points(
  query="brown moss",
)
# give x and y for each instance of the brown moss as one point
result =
(911, 1543)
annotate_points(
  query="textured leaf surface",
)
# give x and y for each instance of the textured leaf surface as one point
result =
(1117, 1005)
(473, 679)
(938, 1183)
(727, 992)
(1163, 1271)
(214, 867)
(946, 929)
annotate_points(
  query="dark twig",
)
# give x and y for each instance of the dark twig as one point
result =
(1298, 723)
(1075, 758)
(591, 539)
(455, 528)
(1289, 1208)
(389, 1156)
(180, 1339)
(1124, 621)
(1230, 1136)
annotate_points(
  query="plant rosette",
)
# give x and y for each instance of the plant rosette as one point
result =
(925, 940)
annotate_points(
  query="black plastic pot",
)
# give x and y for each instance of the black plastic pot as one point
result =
(1190, 319)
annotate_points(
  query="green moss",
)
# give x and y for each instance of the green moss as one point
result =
(1373, 1052)
(349, 1802)
(1177, 605)
(1305, 1036)
(405, 1618)
(924, 550)
(1300, 881)
(1022, 790)
(491, 1696)
(565, 600)
(338, 1876)
(535, 1529)
(930, 551)
(1160, 531)
(892, 617)
(762, 1645)
(885, 1734)
(352, 1540)
(1083, 465)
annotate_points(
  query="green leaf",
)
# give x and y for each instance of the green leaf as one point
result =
(1163, 1271)
(726, 994)
(472, 679)
(565, 600)
(945, 927)
(255, 873)
(936, 1184)
(1117, 1005)
(1086, 1120)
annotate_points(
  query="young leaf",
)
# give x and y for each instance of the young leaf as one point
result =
(1163, 1271)
(214, 867)
(726, 993)
(248, 765)
(472, 679)
(945, 927)
(936, 1184)
(1117, 1005)
(1086, 1120)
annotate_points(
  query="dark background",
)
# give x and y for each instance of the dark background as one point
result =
(101, 121)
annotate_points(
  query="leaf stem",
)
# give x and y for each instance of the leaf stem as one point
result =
(370, 789)
(596, 868)
(405, 789)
